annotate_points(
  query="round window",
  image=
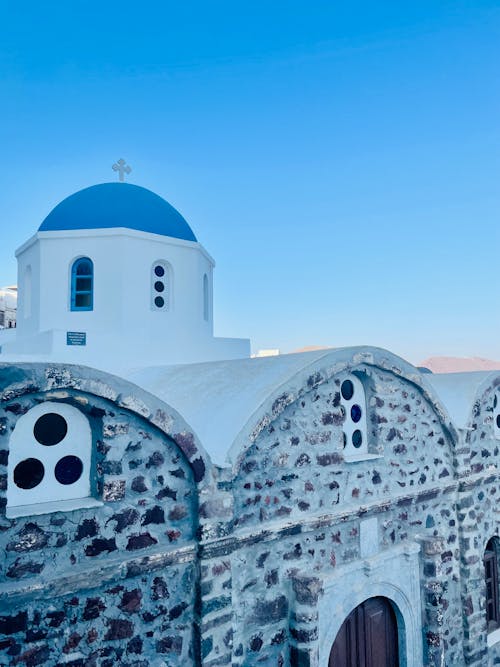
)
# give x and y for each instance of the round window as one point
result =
(159, 271)
(28, 473)
(357, 438)
(159, 286)
(347, 390)
(159, 302)
(50, 429)
(68, 470)
(355, 413)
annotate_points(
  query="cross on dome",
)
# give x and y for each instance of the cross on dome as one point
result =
(122, 168)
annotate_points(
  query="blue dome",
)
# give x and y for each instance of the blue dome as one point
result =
(110, 205)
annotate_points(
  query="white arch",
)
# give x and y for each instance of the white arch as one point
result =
(393, 575)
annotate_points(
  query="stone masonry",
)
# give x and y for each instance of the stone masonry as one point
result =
(181, 562)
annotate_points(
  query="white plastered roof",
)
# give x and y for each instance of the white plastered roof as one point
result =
(222, 401)
(459, 391)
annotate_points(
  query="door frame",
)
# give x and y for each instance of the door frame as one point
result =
(393, 575)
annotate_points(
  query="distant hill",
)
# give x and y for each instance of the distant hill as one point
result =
(459, 364)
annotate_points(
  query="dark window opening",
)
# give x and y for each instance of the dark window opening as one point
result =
(82, 284)
(357, 438)
(68, 470)
(347, 390)
(28, 473)
(50, 429)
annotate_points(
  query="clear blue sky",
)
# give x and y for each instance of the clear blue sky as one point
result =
(340, 160)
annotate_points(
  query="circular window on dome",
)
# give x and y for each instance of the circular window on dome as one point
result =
(159, 271)
(28, 473)
(347, 390)
(50, 429)
(159, 302)
(68, 470)
(159, 286)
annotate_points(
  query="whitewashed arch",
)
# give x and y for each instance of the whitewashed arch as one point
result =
(394, 575)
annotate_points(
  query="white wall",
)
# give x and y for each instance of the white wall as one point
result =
(122, 322)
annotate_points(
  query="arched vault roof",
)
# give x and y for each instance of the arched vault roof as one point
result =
(227, 402)
(459, 391)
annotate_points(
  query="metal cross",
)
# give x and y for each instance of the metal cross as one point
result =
(122, 168)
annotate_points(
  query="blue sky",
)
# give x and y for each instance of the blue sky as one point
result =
(340, 160)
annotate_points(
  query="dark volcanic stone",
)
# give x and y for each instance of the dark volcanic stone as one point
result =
(135, 645)
(20, 568)
(153, 515)
(198, 466)
(156, 459)
(93, 608)
(307, 590)
(124, 519)
(138, 485)
(166, 493)
(9, 625)
(99, 545)
(186, 442)
(112, 467)
(177, 611)
(87, 528)
(256, 644)
(176, 513)
(119, 629)
(159, 589)
(131, 601)
(55, 618)
(140, 541)
(169, 645)
(272, 611)
(38, 655)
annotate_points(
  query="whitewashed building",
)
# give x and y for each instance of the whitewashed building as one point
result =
(101, 252)
(8, 307)
(333, 508)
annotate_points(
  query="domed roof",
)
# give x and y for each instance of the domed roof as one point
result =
(110, 205)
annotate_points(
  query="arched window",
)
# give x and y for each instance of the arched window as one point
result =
(49, 459)
(161, 286)
(491, 580)
(82, 284)
(205, 298)
(351, 400)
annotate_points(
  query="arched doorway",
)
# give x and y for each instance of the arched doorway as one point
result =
(368, 637)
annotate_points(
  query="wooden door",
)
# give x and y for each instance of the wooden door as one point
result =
(368, 637)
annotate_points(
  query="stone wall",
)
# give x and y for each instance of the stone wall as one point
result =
(107, 585)
(294, 484)
(186, 563)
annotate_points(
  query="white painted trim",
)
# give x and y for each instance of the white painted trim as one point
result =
(493, 637)
(54, 506)
(358, 458)
(114, 231)
(393, 574)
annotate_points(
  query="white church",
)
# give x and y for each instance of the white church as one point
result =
(165, 500)
(115, 268)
